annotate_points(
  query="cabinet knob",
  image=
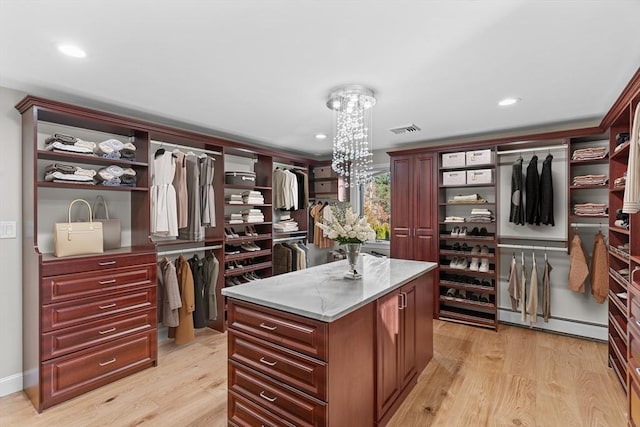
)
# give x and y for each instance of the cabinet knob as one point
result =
(267, 398)
(266, 362)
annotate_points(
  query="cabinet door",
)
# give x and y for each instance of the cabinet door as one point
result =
(388, 349)
(425, 208)
(401, 203)
(407, 334)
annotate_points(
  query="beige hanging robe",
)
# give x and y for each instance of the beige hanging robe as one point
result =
(514, 283)
(599, 269)
(532, 306)
(546, 290)
(523, 291)
(578, 268)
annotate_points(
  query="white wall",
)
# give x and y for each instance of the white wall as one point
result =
(11, 249)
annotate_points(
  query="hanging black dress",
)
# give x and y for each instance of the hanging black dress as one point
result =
(532, 183)
(516, 214)
(199, 314)
(546, 193)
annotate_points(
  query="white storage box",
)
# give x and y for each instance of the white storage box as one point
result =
(479, 157)
(453, 160)
(480, 176)
(324, 172)
(454, 178)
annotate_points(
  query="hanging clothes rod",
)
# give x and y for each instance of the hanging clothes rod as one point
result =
(284, 165)
(530, 150)
(588, 225)
(186, 147)
(288, 239)
(533, 248)
(188, 250)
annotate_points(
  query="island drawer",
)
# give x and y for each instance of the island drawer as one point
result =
(285, 402)
(244, 413)
(297, 370)
(308, 336)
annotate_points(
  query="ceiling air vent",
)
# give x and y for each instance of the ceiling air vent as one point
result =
(405, 129)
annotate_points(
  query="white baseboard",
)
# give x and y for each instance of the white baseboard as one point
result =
(563, 326)
(10, 384)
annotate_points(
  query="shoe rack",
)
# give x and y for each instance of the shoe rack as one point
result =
(467, 250)
(247, 245)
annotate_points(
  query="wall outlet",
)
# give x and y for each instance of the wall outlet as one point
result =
(7, 229)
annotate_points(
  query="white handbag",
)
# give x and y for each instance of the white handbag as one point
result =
(77, 238)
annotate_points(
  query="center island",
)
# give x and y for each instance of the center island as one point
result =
(312, 348)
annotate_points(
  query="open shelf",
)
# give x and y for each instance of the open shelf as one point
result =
(87, 159)
(238, 271)
(44, 184)
(475, 318)
(590, 161)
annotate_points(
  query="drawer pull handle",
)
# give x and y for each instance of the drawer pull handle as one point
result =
(103, 263)
(108, 362)
(638, 371)
(638, 322)
(267, 327)
(266, 362)
(104, 307)
(106, 331)
(267, 398)
(106, 282)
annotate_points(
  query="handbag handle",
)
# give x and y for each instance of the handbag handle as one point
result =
(88, 207)
(96, 204)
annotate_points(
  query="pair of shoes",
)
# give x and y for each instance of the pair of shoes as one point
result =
(459, 263)
(486, 284)
(230, 234)
(233, 281)
(455, 231)
(250, 231)
(474, 260)
(234, 264)
(231, 249)
(462, 232)
(484, 265)
(456, 247)
(250, 247)
(250, 277)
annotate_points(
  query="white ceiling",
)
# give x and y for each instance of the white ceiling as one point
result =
(261, 70)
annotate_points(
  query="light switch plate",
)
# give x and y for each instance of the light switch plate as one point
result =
(7, 229)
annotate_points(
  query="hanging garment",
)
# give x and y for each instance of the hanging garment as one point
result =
(318, 234)
(532, 193)
(578, 268)
(532, 305)
(170, 292)
(516, 213)
(194, 229)
(211, 269)
(199, 319)
(523, 291)
(546, 290)
(207, 196)
(184, 332)
(546, 193)
(631, 201)
(303, 189)
(514, 283)
(164, 219)
(180, 185)
(294, 257)
(599, 269)
(281, 259)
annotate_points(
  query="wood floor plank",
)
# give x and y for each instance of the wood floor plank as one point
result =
(515, 377)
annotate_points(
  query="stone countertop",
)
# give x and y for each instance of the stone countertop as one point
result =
(322, 293)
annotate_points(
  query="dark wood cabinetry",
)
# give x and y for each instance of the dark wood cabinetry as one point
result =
(413, 202)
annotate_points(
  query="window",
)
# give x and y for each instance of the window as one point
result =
(375, 203)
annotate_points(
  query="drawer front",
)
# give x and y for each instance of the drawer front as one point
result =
(60, 288)
(58, 343)
(72, 375)
(634, 403)
(298, 333)
(71, 313)
(299, 371)
(69, 265)
(295, 407)
(244, 413)
(325, 186)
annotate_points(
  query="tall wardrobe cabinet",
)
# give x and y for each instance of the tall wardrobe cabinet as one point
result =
(414, 232)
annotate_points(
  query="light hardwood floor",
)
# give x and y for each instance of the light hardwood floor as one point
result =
(516, 377)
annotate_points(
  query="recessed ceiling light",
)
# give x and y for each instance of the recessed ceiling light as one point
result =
(321, 136)
(508, 101)
(71, 50)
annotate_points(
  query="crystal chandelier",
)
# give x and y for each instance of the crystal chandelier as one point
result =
(352, 155)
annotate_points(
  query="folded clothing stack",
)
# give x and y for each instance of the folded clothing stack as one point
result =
(454, 219)
(471, 198)
(592, 153)
(581, 180)
(110, 175)
(590, 209)
(252, 197)
(621, 139)
(68, 144)
(286, 226)
(59, 172)
(235, 218)
(620, 181)
(481, 215)
(234, 199)
(252, 215)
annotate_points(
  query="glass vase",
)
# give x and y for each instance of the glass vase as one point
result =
(353, 250)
